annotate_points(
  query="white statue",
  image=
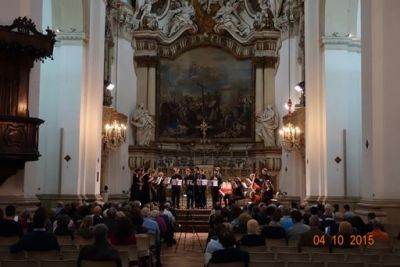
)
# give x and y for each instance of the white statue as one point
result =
(268, 122)
(182, 17)
(143, 18)
(206, 4)
(229, 17)
(144, 125)
(276, 7)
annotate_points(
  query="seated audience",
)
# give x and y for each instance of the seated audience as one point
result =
(377, 232)
(97, 216)
(229, 253)
(8, 225)
(149, 223)
(25, 220)
(100, 250)
(85, 230)
(123, 233)
(274, 230)
(286, 221)
(345, 230)
(347, 214)
(253, 237)
(62, 228)
(37, 240)
(110, 219)
(298, 227)
(307, 238)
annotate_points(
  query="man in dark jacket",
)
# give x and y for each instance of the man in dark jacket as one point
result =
(229, 253)
(100, 250)
(37, 240)
(9, 227)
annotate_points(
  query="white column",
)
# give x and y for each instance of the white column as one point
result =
(380, 96)
(92, 102)
(315, 113)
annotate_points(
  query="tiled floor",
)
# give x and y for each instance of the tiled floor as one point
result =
(188, 253)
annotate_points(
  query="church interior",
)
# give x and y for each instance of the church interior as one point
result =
(200, 119)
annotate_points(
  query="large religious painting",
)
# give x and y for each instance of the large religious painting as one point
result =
(205, 84)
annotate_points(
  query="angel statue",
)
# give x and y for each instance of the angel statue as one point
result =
(229, 17)
(143, 18)
(182, 17)
(268, 122)
(144, 125)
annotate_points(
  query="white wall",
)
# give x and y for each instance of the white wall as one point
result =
(291, 176)
(118, 175)
(343, 109)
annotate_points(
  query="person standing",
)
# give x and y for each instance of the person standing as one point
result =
(189, 179)
(203, 190)
(216, 181)
(135, 186)
(160, 188)
(197, 185)
(176, 181)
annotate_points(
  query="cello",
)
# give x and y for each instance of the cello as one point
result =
(255, 194)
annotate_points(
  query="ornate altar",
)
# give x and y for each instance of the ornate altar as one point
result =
(20, 45)
(205, 71)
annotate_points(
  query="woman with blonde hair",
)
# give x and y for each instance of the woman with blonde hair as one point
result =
(253, 237)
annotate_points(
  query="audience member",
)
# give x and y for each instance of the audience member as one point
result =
(274, 230)
(377, 233)
(298, 227)
(8, 225)
(100, 250)
(286, 221)
(85, 230)
(253, 237)
(347, 214)
(123, 233)
(229, 253)
(307, 238)
(37, 240)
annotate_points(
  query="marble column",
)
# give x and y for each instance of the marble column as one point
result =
(380, 94)
(315, 132)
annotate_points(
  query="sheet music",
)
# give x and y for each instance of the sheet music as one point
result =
(158, 181)
(174, 181)
(179, 182)
(214, 182)
(189, 182)
(198, 182)
(167, 180)
(204, 182)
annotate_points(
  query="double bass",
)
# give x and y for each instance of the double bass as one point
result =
(255, 194)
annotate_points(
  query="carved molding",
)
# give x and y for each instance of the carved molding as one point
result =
(70, 36)
(264, 48)
(341, 43)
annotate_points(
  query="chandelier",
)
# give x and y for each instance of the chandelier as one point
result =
(115, 128)
(290, 134)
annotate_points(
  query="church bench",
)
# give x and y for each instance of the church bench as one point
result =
(363, 258)
(86, 263)
(304, 264)
(319, 256)
(285, 256)
(345, 264)
(267, 263)
(261, 256)
(58, 263)
(19, 263)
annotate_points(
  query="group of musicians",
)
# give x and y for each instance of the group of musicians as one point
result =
(151, 186)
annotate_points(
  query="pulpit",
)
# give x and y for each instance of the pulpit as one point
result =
(20, 45)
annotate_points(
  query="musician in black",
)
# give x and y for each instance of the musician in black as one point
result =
(197, 185)
(135, 185)
(140, 187)
(216, 181)
(203, 190)
(160, 187)
(176, 179)
(268, 191)
(189, 180)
